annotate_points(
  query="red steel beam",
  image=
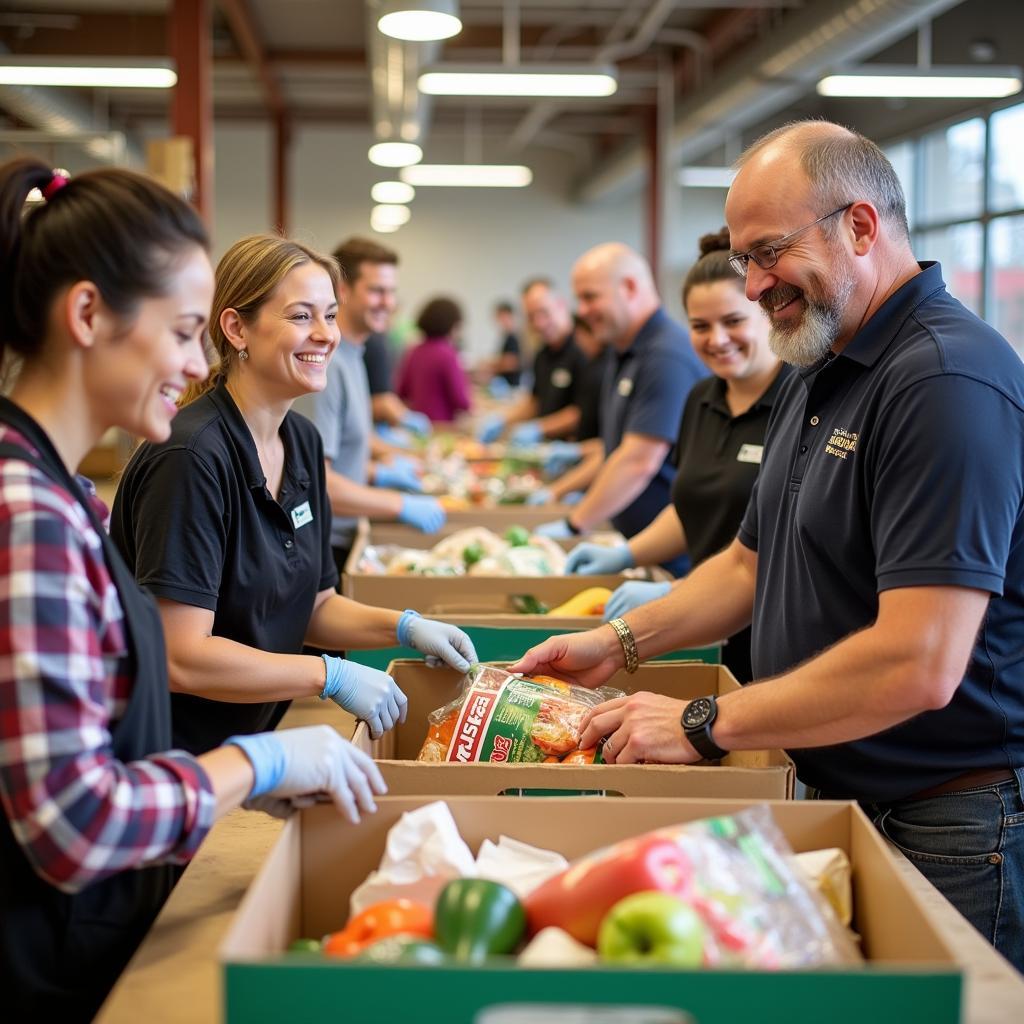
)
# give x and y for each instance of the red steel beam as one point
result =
(281, 175)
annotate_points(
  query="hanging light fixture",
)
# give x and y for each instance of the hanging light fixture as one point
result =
(92, 72)
(395, 154)
(419, 21)
(392, 192)
(520, 80)
(390, 213)
(935, 82)
(468, 175)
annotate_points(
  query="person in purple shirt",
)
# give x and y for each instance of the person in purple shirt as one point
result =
(431, 379)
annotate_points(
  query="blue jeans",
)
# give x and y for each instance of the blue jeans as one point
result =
(970, 846)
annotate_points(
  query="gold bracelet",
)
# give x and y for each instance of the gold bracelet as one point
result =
(628, 641)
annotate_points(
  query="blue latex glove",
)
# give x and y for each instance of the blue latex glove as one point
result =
(366, 692)
(560, 456)
(526, 434)
(441, 643)
(499, 388)
(394, 436)
(597, 559)
(491, 429)
(631, 595)
(425, 513)
(293, 765)
(541, 496)
(400, 475)
(558, 529)
(417, 422)
(573, 497)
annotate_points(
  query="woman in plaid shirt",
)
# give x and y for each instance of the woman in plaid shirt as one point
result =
(106, 289)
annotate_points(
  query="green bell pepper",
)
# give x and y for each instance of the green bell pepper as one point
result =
(476, 918)
(402, 949)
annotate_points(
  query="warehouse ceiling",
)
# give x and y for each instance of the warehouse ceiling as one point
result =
(311, 56)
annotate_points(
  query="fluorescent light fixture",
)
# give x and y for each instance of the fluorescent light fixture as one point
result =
(936, 82)
(706, 177)
(100, 73)
(419, 21)
(395, 154)
(522, 80)
(390, 213)
(468, 175)
(383, 229)
(392, 192)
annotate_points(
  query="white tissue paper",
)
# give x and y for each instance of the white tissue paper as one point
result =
(518, 865)
(424, 851)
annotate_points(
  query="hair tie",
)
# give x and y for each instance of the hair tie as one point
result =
(57, 182)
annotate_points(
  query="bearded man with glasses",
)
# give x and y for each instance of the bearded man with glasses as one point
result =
(881, 557)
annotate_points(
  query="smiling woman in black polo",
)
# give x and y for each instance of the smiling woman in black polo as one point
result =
(227, 523)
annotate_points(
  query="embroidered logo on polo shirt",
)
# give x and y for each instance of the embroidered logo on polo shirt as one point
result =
(561, 378)
(842, 443)
(625, 387)
(750, 453)
(301, 515)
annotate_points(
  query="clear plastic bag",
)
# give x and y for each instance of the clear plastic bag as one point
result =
(499, 717)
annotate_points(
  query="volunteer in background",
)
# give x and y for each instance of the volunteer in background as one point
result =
(106, 291)
(508, 363)
(552, 409)
(881, 557)
(356, 485)
(644, 391)
(395, 422)
(720, 441)
(227, 522)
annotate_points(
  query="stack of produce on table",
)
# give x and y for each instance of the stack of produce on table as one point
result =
(475, 551)
(500, 717)
(469, 474)
(721, 892)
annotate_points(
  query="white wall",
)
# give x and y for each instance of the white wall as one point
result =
(476, 245)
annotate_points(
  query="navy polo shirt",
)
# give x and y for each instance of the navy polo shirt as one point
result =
(717, 459)
(196, 524)
(899, 463)
(644, 391)
(589, 396)
(558, 376)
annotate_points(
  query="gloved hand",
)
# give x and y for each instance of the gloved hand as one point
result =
(499, 388)
(293, 765)
(394, 436)
(526, 434)
(573, 497)
(426, 514)
(441, 643)
(631, 595)
(366, 692)
(558, 529)
(418, 422)
(491, 429)
(400, 474)
(597, 559)
(541, 496)
(560, 456)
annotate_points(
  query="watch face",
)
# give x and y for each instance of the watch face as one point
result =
(697, 712)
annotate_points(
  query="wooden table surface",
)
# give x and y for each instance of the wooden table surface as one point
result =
(175, 977)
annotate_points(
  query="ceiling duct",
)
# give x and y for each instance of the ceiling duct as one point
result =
(765, 79)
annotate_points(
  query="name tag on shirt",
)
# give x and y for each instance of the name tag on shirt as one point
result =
(750, 453)
(625, 387)
(561, 378)
(301, 515)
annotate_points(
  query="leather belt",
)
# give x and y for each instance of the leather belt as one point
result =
(973, 779)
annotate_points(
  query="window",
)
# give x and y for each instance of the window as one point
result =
(1006, 175)
(953, 171)
(1006, 287)
(958, 249)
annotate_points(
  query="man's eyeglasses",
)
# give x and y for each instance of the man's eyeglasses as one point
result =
(766, 255)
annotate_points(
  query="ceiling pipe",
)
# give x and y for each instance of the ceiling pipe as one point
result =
(766, 78)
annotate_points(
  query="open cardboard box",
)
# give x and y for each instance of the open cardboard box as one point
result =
(495, 517)
(459, 595)
(304, 886)
(758, 774)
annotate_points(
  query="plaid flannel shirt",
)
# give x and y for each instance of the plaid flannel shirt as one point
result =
(78, 813)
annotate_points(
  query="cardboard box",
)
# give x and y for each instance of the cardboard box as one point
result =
(304, 887)
(470, 595)
(495, 517)
(758, 774)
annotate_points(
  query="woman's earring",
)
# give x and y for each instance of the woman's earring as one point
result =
(243, 354)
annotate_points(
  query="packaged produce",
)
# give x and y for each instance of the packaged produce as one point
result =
(737, 875)
(502, 717)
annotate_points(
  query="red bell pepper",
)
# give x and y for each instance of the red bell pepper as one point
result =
(578, 899)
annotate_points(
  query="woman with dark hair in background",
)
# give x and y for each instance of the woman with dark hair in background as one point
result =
(106, 289)
(720, 441)
(431, 380)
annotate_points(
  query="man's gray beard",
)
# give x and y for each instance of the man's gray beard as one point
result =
(809, 340)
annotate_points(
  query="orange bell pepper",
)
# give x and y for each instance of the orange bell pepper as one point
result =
(390, 917)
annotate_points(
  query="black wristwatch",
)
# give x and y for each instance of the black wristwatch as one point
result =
(696, 720)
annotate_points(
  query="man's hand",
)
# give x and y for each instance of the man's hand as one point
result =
(588, 659)
(641, 727)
